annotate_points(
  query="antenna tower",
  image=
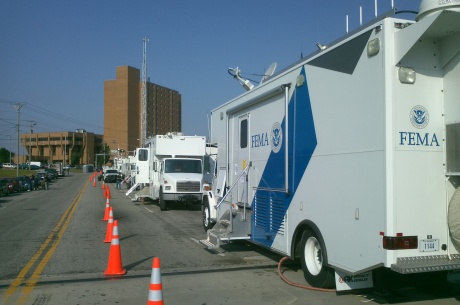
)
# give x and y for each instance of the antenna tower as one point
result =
(144, 95)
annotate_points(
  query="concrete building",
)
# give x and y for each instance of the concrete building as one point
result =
(122, 123)
(122, 109)
(78, 147)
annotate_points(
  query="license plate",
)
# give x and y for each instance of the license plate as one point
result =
(428, 245)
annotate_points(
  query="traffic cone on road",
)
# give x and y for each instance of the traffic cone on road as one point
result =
(108, 232)
(94, 182)
(91, 178)
(156, 288)
(107, 192)
(103, 184)
(107, 210)
(114, 266)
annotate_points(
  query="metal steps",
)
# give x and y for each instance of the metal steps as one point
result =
(227, 229)
(132, 189)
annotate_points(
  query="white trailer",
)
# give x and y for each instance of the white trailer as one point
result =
(59, 168)
(170, 168)
(349, 158)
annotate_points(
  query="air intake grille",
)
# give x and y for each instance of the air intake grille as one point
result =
(188, 186)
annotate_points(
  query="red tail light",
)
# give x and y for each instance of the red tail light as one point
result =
(400, 242)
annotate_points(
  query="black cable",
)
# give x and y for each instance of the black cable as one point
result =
(403, 12)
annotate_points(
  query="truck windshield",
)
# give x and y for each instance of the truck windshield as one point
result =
(183, 166)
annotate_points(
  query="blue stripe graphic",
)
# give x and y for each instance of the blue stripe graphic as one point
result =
(269, 208)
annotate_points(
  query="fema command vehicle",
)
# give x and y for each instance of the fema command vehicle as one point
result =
(349, 159)
(170, 168)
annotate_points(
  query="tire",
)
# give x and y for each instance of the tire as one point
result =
(315, 271)
(162, 202)
(453, 219)
(206, 214)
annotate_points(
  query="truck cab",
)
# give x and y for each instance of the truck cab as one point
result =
(180, 180)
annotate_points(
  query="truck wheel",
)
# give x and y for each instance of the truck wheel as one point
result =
(161, 201)
(453, 221)
(312, 258)
(206, 214)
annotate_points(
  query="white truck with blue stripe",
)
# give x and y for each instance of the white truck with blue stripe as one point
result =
(349, 159)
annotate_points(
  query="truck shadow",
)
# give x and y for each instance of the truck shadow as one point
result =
(389, 287)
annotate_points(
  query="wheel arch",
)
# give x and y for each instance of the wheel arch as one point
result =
(204, 200)
(297, 237)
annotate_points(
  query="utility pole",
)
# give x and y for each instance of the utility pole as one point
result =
(144, 94)
(31, 125)
(65, 152)
(9, 161)
(18, 107)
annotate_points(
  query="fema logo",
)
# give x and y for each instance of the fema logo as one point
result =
(277, 137)
(419, 117)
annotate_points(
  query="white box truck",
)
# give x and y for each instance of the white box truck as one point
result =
(349, 159)
(170, 168)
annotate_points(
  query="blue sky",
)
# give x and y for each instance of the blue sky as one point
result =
(56, 55)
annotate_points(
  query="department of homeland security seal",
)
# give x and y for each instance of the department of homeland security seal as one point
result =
(276, 137)
(419, 117)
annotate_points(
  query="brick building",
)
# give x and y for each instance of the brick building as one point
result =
(122, 122)
(122, 109)
(67, 147)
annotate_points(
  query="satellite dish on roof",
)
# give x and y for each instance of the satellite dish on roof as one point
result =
(236, 73)
(269, 72)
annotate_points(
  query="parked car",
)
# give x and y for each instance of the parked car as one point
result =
(14, 186)
(3, 187)
(23, 166)
(41, 174)
(9, 165)
(24, 182)
(110, 175)
(52, 173)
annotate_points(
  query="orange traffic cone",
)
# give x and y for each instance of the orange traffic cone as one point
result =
(94, 182)
(107, 192)
(156, 288)
(108, 233)
(107, 210)
(91, 178)
(103, 184)
(114, 266)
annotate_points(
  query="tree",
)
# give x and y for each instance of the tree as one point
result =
(5, 155)
(103, 155)
(75, 157)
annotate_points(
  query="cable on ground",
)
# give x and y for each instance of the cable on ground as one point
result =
(299, 285)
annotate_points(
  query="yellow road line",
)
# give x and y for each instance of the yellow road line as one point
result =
(60, 229)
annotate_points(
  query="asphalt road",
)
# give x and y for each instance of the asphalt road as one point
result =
(52, 252)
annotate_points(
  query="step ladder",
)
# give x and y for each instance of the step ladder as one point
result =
(234, 219)
(228, 229)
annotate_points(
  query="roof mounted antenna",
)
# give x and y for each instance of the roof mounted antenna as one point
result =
(236, 73)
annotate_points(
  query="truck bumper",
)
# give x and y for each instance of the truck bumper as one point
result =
(430, 263)
(189, 198)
